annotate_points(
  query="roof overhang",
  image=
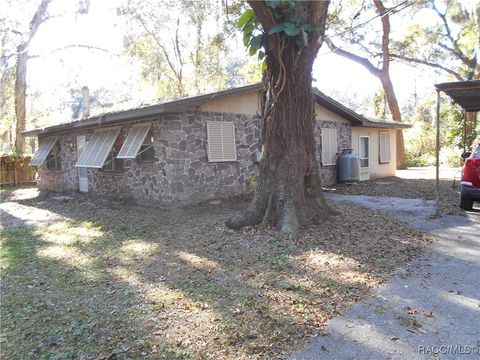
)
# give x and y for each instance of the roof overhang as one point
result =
(385, 124)
(143, 113)
(464, 93)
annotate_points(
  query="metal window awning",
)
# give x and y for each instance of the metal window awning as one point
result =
(467, 95)
(43, 150)
(134, 141)
(97, 149)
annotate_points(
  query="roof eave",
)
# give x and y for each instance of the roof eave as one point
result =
(385, 125)
(172, 107)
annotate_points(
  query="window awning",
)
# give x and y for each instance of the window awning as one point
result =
(43, 150)
(134, 141)
(97, 149)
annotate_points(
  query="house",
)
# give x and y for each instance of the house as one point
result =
(195, 149)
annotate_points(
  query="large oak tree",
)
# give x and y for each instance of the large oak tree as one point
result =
(288, 190)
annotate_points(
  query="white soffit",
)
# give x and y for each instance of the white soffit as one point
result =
(98, 147)
(43, 150)
(134, 141)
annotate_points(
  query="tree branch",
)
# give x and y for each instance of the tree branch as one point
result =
(358, 59)
(385, 18)
(263, 14)
(427, 63)
(77, 46)
(456, 49)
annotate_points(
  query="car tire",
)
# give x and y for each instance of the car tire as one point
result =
(466, 203)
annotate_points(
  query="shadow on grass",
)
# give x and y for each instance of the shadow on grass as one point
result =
(135, 281)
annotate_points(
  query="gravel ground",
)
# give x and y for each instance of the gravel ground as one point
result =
(407, 187)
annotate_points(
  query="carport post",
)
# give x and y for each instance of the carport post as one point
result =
(437, 159)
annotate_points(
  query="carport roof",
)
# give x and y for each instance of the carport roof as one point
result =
(464, 93)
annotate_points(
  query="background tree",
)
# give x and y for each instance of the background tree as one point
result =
(451, 44)
(14, 60)
(184, 46)
(359, 42)
(287, 35)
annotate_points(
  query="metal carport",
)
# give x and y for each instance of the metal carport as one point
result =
(467, 95)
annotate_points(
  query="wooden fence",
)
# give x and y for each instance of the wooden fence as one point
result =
(16, 170)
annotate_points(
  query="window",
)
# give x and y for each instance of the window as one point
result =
(384, 151)
(364, 151)
(221, 141)
(329, 146)
(113, 163)
(46, 145)
(147, 152)
(98, 148)
(53, 157)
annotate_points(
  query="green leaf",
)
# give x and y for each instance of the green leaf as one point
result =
(245, 17)
(246, 38)
(264, 65)
(276, 28)
(291, 29)
(257, 41)
(261, 55)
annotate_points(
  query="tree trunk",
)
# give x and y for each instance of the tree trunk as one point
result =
(396, 116)
(20, 99)
(21, 76)
(288, 190)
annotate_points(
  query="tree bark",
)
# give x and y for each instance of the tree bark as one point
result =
(21, 76)
(396, 116)
(20, 99)
(288, 191)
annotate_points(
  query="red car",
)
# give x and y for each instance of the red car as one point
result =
(470, 184)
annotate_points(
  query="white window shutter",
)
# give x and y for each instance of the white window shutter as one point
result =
(329, 146)
(385, 155)
(221, 141)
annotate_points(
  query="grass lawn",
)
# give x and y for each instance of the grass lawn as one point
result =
(95, 279)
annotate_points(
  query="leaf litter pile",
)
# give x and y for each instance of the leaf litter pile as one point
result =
(98, 279)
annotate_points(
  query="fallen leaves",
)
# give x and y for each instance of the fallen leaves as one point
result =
(177, 284)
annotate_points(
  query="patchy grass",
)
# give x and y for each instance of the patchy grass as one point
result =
(100, 279)
(408, 189)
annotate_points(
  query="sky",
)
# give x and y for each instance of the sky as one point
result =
(102, 28)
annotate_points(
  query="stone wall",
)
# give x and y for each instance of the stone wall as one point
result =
(344, 141)
(180, 173)
(66, 178)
